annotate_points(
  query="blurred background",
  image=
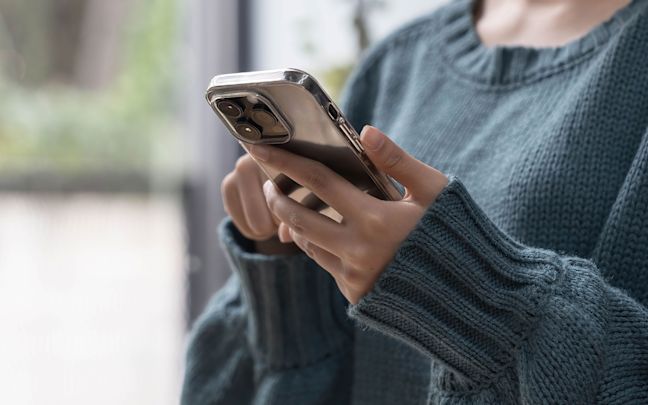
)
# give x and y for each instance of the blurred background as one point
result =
(110, 166)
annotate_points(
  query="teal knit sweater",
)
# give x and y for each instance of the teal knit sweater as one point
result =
(526, 281)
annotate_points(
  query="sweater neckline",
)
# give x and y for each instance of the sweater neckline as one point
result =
(509, 65)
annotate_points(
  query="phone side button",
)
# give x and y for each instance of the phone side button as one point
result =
(356, 145)
(352, 137)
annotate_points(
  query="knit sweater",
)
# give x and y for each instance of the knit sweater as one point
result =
(526, 280)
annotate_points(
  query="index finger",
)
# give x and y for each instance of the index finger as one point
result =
(330, 187)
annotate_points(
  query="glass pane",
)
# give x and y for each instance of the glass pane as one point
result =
(325, 37)
(91, 225)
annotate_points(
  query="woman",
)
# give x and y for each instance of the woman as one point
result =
(515, 270)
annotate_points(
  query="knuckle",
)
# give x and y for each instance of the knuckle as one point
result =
(359, 255)
(228, 185)
(351, 277)
(277, 205)
(393, 159)
(240, 163)
(300, 241)
(316, 177)
(373, 221)
(295, 220)
(307, 247)
(244, 163)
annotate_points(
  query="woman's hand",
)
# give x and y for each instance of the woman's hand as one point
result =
(357, 250)
(243, 199)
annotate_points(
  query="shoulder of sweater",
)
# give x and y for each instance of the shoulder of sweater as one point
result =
(636, 26)
(627, 54)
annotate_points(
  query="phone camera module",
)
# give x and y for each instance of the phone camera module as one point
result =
(251, 118)
(263, 117)
(248, 131)
(230, 108)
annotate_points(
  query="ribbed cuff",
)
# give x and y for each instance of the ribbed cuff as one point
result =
(461, 290)
(297, 315)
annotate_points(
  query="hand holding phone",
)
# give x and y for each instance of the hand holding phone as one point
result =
(357, 250)
(245, 203)
(289, 110)
(329, 188)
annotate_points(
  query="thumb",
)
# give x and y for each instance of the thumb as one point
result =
(421, 181)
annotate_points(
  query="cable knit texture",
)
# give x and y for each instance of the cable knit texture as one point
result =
(526, 281)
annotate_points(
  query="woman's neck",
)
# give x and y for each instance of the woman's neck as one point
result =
(540, 23)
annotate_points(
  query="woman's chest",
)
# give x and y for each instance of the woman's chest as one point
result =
(545, 167)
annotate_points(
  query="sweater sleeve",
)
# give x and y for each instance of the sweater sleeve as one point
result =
(277, 333)
(485, 306)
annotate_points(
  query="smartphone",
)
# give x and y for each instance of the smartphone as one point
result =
(290, 110)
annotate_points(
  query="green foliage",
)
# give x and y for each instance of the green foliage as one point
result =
(334, 78)
(128, 126)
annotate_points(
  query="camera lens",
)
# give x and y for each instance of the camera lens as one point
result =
(248, 131)
(264, 117)
(229, 108)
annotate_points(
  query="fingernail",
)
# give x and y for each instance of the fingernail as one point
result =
(260, 152)
(371, 138)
